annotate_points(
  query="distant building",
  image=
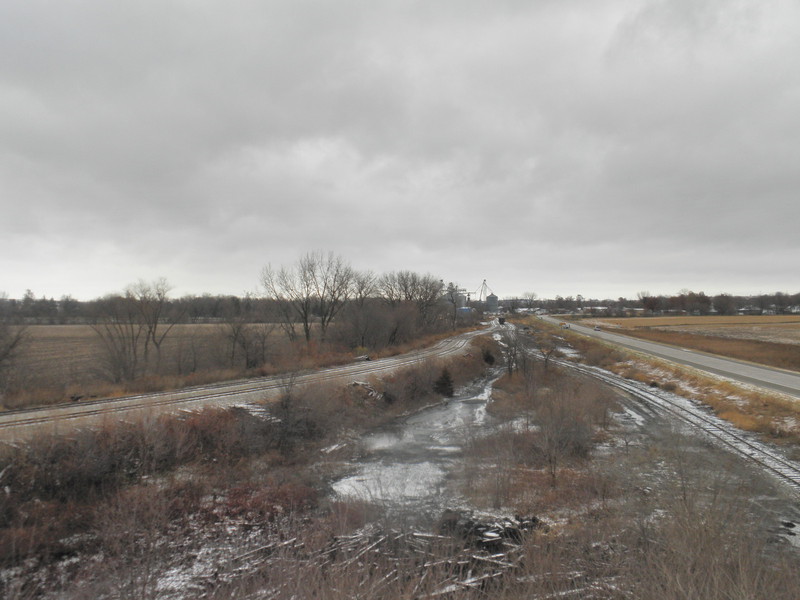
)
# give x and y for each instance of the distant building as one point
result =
(491, 303)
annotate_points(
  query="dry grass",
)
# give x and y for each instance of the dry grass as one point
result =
(603, 538)
(773, 415)
(62, 362)
(681, 529)
(53, 484)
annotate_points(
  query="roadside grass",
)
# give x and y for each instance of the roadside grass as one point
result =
(773, 415)
(666, 518)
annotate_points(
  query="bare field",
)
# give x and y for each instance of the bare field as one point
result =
(74, 352)
(772, 340)
(781, 329)
(706, 320)
(59, 361)
(60, 352)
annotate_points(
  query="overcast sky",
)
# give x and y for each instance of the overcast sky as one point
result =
(594, 147)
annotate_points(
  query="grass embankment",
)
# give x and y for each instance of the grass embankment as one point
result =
(773, 415)
(653, 515)
(129, 492)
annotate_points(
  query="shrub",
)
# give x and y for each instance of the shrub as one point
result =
(444, 385)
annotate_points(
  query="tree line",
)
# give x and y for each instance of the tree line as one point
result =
(683, 302)
(319, 302)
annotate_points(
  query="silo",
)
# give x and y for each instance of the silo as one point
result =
(491, 303)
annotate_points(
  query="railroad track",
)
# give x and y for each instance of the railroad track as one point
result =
(720, 431)
(220, 394)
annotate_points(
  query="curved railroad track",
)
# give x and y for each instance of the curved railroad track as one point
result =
(19, 422)
(720, 431)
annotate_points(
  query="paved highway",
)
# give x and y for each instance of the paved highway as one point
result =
(780, 380)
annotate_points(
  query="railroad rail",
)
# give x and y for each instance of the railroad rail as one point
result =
(720, 431)
(219, 394)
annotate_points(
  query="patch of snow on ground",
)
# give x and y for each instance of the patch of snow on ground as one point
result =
(523, 425)
(789, 424)
(569, 352)
(333, 448)
(632, 416)
(394, 482)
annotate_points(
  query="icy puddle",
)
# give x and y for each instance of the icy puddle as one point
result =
(407, 466)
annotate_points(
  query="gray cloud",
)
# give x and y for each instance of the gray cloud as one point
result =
(558, 147)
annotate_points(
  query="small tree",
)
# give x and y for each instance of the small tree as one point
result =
(120, 328)
(512, 347)
(453, 294)
(153, 306)
(12, 338)
(444, 384)
(547, 344)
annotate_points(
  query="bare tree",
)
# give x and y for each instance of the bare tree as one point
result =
(255, 343)
(564, 430)
(424, 291)
(359, 316)
(390, 290)
(452, 294)
(512, 348)
(293, 291)
(12, 338)
(317, 286)
(512, 305)
(547, 344)
(365, 286)
(153, 304)
(248, 339)
(648, 301)
(428, 293)
(332, 278)
(530, 299)
(120, 327)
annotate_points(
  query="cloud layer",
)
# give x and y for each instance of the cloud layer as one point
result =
(570, 147)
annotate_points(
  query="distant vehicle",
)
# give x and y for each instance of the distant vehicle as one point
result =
(501, 320)
(597, 327)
